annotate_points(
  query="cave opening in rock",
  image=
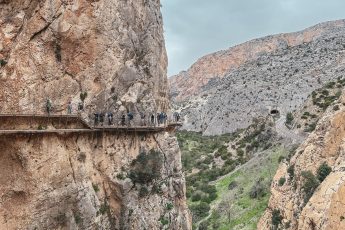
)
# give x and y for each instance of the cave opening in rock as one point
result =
(274, 112)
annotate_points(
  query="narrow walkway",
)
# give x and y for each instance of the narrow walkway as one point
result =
(62, 121)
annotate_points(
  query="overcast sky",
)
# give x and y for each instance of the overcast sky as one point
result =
(194, 28)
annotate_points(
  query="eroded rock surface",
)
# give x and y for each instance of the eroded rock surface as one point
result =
(224, 91)
(114, 51)
(325, 208)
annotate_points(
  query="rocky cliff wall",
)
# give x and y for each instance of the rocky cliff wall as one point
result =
(114, 51)
(84, 181)
(303, 202)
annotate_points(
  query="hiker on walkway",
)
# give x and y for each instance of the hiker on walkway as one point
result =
(176, 117)
(101, 118)
(130, 118)
(158, 118)
(142, 117)
(123, 120)
(165, 118)
(48, 106)
(110, 118)
(152, 119)
(80, 106)
(96, 119)
(69, 108)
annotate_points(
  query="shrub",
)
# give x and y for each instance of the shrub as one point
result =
(232, 185)
(169, 206)
(336, 108)
(281, 181)
(163, 220)
(309, 185)
(289, 118)
(291, 171)
(323, 171)
(258, 190)
(95, 187)
(276, 218)
(280, 159)
(2, 62)
(77, 218)
(200, 210)
(146, 167)
(83, 96)
(143, 191)
(204, 225)
(104, 208)
(197, 195)
(81, 157)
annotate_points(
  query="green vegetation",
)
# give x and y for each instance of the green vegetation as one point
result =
(143, 191)
(289, 118)
(310, 183)
(146, 168)
(163, 220)
(323, 171)
(258, 190)
(77, 218)
(199, 210)
(276, 218)
(208, 158)
(291, 171)
(281, 181)
(2, 62)
(103, 208)
(95, 187)
(169, 206)
(83, 96)
(243, 205)
(327, 95)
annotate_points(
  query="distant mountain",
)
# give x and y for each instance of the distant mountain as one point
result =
(224, 91)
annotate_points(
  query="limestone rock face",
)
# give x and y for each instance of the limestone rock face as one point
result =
(114, 51)
(81, 181)
(325, 208)
(224, 91)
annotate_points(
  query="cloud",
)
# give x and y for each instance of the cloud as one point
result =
(194, 28)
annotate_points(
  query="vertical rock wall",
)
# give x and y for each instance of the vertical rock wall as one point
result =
(114, 51)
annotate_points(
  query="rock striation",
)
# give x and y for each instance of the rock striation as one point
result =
(114, 53)
(224, 91)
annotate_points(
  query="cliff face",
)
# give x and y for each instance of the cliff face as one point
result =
(307, 203)
(114, 51)
(224, 91)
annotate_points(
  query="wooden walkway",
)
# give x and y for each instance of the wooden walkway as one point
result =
(88, 128)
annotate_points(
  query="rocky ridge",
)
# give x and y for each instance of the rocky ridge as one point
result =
(276, 73)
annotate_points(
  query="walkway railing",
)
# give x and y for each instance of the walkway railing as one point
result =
(108, 125)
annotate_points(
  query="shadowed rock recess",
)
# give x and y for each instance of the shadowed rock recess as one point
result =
(114, 51)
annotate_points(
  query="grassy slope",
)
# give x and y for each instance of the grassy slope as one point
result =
(247, 211)
(195, 148)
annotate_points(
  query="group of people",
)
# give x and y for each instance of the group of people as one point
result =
(49, 107)
(125, 119)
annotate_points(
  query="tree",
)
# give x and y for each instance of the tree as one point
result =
(276, 218)
(289, 118)
(323, 171)
(83, 96)
(309, 185)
